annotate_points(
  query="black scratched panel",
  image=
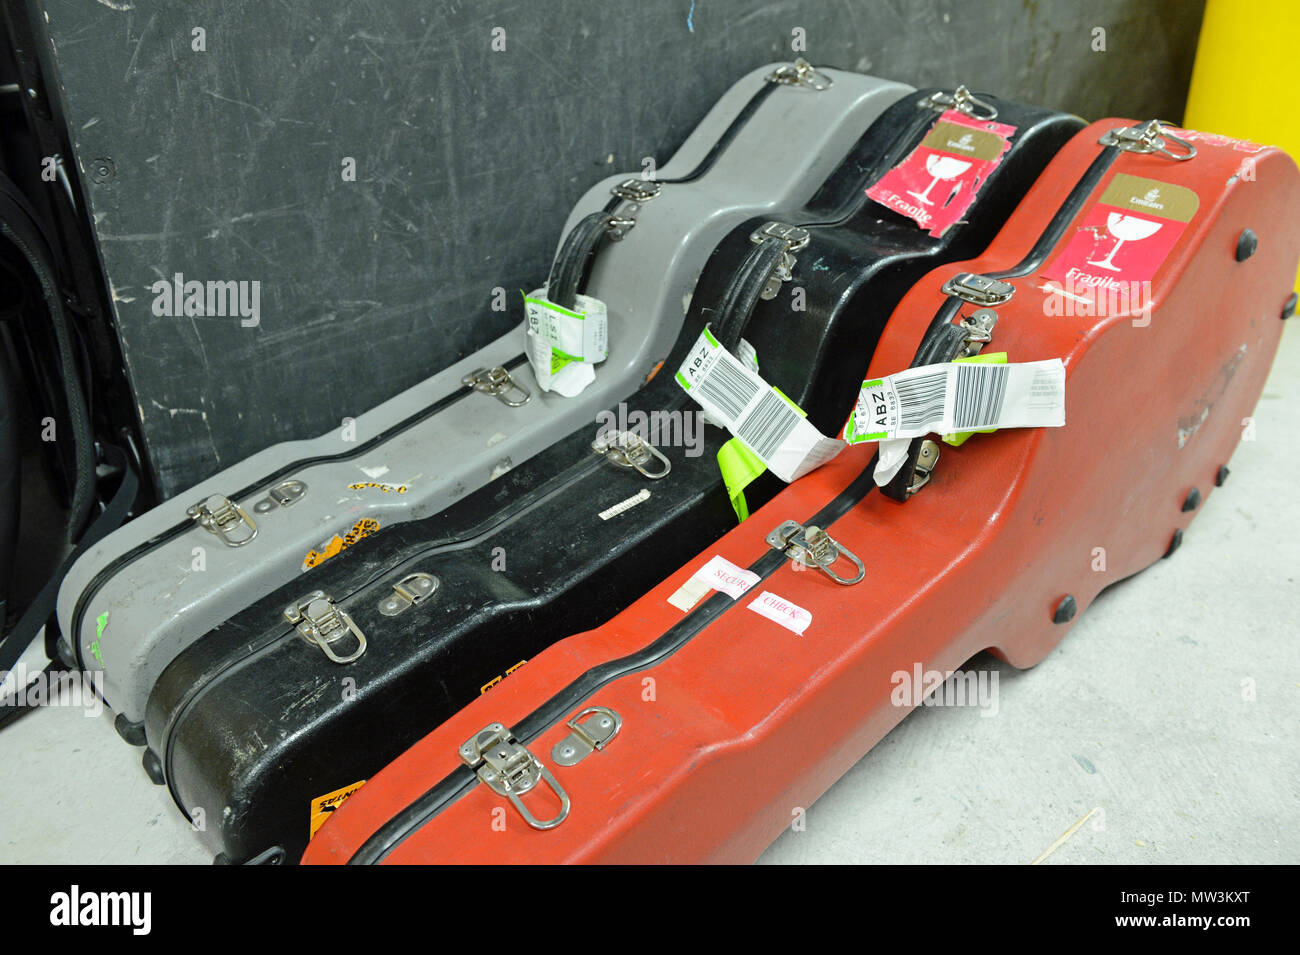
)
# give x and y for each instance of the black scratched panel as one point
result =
(226, 163)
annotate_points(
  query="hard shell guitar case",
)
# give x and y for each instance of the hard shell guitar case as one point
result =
(320, 683)
(150, 589)
(693, 736)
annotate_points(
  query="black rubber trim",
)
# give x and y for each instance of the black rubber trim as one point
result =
(135, 553)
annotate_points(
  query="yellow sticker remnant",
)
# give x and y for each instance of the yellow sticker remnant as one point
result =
(322, 807)
(386, 488)
(362, 528)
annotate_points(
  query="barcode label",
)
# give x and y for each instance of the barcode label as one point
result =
(921, 399)
(735, 397)
(958, 397)
(768, 425)
(728, 388)
(980, 390)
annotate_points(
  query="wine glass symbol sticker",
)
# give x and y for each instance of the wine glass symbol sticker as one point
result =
(940, 167)
(1125, 228)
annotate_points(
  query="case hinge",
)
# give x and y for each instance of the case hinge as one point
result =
(800, 73)
(498, 383)
(1148, 137)
(963, 101)
(795, 239)
(506, 767)
(225, 518)
(812, 547)
(600, 726)
(321, 623)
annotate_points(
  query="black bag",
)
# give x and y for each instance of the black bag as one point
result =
(256, 720)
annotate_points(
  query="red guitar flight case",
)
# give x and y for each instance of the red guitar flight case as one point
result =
(694, 735)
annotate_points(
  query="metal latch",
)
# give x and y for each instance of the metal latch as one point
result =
(225, 518)
(633, 192)
(1148, 137)
(963, 101)
(498, 383)
(321, 623)
(507, 768)
(282, 495)
(978, 326)
(595, 732)
(926, 459)
(812, 547)
(625, 449)
(800, 73)
(408, 592)
(795, 240)
(978, 289)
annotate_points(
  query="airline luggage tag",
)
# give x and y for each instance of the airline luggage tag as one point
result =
(954, 397)
(765, 421)
(938, 181)
(563, 344)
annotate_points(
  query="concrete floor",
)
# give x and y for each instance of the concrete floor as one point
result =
(1139, 714)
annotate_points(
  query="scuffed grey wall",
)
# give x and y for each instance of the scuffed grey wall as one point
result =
(225, 164)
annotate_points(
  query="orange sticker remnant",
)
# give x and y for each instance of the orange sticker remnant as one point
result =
(322, 807)
(495, 680)
(362, 528)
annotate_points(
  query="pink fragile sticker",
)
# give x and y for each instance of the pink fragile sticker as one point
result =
(791, 616)
(1123, 238)
(938, 181)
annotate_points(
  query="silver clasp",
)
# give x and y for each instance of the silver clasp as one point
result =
(963, 101)
(978, 289)
(926, 459)
(800, 73)
(795, 238)
(812, 547)
(282, 495)
(498, 383)
(507, 768)
(1148, 137)
(978, 326)
(321, 623)
(225, 518)
(626, 449)
(592, 729)
(408, 592)
(633, 192)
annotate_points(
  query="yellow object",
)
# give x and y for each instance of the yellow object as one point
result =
(740, 466)
(1245, 68)
(323, 806)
